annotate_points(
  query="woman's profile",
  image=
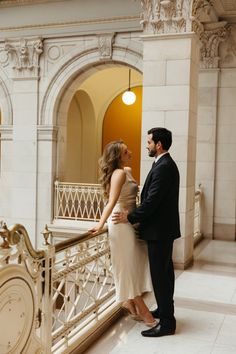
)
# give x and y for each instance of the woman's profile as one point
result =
(128, 255)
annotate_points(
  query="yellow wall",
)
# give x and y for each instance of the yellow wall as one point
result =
(124, 122)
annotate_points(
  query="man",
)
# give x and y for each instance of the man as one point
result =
(158, 218)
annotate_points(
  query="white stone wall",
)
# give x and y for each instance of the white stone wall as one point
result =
(36, 154)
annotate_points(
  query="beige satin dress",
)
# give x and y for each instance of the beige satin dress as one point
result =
(128, 253)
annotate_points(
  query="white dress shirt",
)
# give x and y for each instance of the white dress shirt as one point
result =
(159, 156)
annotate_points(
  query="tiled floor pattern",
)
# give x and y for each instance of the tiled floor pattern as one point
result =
(205, 299)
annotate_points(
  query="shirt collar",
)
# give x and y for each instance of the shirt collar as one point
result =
(159, 156)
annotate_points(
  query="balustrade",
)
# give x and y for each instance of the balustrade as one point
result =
(52, 300)
(54, 297)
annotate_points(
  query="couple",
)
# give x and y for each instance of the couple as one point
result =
(157, 218)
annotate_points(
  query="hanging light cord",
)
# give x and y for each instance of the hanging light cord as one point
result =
(129, 79)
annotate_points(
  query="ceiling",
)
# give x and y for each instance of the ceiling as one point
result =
(225, 9)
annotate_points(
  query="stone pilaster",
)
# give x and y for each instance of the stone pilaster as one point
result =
(23, 68)
(170, 91)
(46, 157)
(214, 33)
(206, 144)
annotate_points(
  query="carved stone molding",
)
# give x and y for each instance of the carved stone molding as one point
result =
(6, 132)
(214, 34)
(6, 3)
(47, 133)
(174, 16)
(229, 52)
(105, 42)
(24, 54)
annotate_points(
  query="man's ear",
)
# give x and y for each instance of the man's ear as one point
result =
(158, 145)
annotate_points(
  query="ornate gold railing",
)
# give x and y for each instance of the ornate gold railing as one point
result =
(24, 276)
(82, 286)
(65, 291)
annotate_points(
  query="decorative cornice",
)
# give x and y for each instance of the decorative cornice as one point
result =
(77, 23)
(174, 16)
(8, 3)
(212, 36)
(105, 42)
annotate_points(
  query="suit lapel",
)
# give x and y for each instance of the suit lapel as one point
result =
(154, 165)
(146, 182)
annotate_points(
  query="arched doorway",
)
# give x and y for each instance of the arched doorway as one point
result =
(80, 137)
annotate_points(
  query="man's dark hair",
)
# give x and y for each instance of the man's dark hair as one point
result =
(163, 135)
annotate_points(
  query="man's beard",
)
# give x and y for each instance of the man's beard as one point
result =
(152, 153)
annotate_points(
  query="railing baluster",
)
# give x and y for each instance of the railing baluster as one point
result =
(77, 201)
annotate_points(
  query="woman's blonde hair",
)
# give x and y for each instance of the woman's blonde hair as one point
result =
(110, 161)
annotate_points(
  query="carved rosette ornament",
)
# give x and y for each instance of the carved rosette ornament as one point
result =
(105, 43)
(214, 34)
(174, 16)
(24, 54)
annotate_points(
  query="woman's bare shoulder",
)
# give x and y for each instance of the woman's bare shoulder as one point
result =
(119, 172)
(118, 176)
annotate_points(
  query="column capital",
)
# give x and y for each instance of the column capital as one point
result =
(175, 16)
(213, 34)
(24, 56)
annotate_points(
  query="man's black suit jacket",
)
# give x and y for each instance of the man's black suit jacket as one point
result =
(158, 213)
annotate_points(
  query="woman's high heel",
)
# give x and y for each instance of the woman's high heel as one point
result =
(151, 324)
(147, 323)
(128, 311)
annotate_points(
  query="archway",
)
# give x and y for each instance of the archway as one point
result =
(90, 100)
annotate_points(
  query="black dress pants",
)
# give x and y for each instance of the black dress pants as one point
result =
(163, 279)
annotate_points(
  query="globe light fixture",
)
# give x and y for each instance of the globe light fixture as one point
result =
(129, 96)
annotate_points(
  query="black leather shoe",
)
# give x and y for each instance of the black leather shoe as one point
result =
(158, 331)
(155, 313)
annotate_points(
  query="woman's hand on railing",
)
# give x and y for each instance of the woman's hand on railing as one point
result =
(96, 229)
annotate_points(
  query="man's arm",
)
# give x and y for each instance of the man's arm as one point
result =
(161, 183)
(158, 189)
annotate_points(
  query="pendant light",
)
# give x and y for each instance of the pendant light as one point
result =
(129, 96)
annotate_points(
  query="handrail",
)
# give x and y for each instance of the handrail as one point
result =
(76, 184)
(60, 246)
(12, 235)
(197, 215)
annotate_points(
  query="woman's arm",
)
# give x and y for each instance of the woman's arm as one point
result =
(117, 180)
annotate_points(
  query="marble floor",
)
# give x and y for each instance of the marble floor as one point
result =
(205, 299)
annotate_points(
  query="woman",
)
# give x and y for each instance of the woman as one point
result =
(128, 255)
